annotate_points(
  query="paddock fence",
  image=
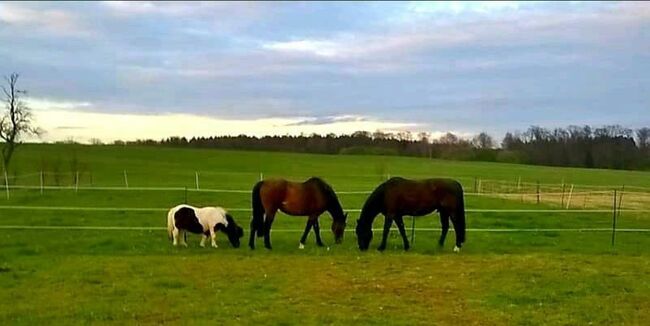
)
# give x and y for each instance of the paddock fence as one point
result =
(563, 198)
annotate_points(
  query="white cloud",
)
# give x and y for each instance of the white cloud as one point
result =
(43, 104)
(319, 48)
(58, 22)
(64, 120)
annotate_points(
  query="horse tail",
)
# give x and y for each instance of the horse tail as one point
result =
(170, 224)
(257, 224)
(459, 226)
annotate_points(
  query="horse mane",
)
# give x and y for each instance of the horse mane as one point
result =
(372, 206)
(329, 192)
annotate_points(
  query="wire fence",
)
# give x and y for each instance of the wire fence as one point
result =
(562, 198)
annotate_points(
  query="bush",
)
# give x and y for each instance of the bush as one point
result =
(506, 156)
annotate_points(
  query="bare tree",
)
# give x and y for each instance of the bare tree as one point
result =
(483, 141)
(643, 137)
(16, 120)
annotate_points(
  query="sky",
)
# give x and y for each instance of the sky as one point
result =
(129, 70)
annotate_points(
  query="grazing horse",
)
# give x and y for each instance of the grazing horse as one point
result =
(206, 221)
(399, 197)
(310, 198)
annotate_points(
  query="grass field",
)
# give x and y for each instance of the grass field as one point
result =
(135, 275)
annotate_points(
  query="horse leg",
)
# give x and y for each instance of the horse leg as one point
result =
(456, 226)
(400, 225)
(203, 238)
(251, 239)
(184, 238)
(319, 242)
(444, 221)
(388, 222)
(267, 229)
(310, 223)
(175, 234)
(213, 237)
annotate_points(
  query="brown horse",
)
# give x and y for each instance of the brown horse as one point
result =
(399, 197)
(310, 198)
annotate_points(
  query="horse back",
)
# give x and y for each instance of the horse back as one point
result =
(293, 198)
(185, 218)
(420, 197)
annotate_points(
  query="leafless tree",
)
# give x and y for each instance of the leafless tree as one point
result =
(16, 120)
(483, 141)
(643, 137)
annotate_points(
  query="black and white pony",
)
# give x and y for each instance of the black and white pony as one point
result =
(205, 220)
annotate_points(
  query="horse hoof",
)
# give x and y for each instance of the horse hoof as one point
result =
(301, 246)
(320, 245)
(215, 246)
(381, 248)
(406, 248)
(456, 249)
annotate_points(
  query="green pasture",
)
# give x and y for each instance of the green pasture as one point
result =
(49, 274)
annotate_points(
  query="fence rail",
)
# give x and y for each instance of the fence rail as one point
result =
(157, 228)
(246, 191)
(248, 209)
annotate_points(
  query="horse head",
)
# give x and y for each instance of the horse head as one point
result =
(338, 228)
(233, 231)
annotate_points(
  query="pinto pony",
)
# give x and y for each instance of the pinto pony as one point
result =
(206, 221)
(310, 198)
(399, 197)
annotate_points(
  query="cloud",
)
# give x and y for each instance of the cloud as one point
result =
(83, 126)
(54, 21)
(42, 104)
(447, 66)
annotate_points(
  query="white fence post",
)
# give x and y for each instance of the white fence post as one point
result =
(126, 179)
(196, 174)
(568, 200)
(6, 183)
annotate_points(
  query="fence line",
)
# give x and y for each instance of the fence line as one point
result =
(516, 183)
(152, 228)
(157, 209)
(360, 192)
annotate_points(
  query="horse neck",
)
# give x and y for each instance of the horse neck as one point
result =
(368, 215)
(335, 209)
(372, 207)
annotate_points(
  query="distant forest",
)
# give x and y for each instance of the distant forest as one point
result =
(611, 147)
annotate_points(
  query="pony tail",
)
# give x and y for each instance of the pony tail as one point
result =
(170, 224)
(257, 224)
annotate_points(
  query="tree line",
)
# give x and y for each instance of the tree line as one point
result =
(612, 147)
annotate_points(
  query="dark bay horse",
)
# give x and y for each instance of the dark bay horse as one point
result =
(310, 198)
(399, 197)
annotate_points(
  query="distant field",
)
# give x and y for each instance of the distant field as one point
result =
(558, 276)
